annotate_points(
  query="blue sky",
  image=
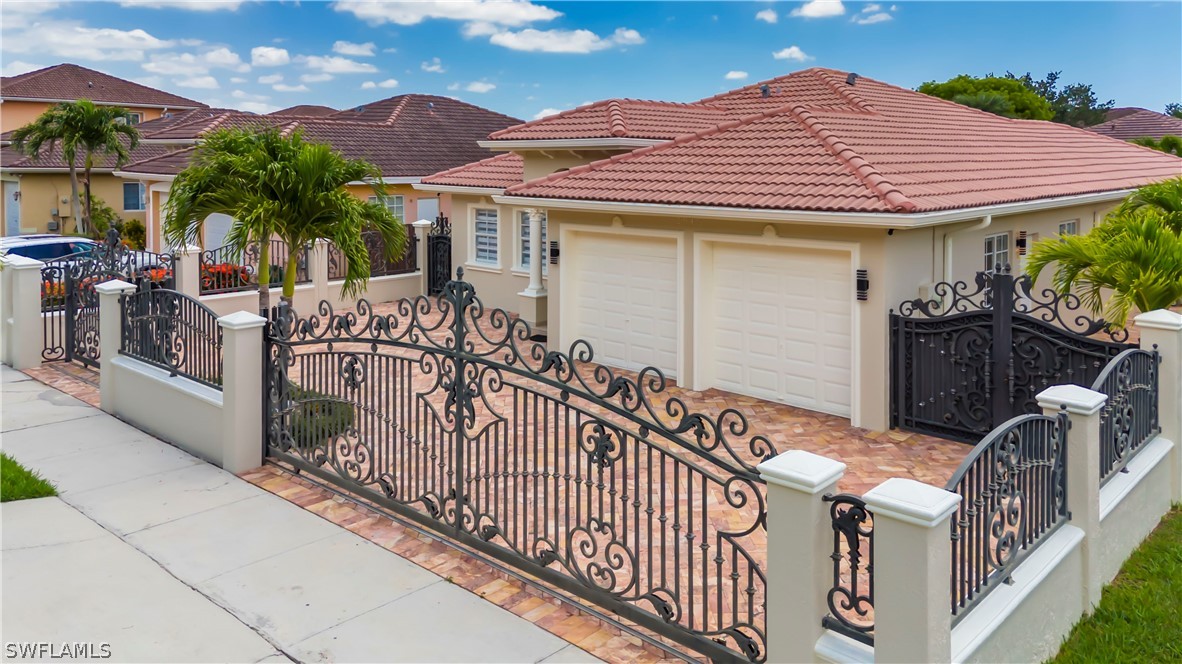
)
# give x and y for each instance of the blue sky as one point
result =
(528, 58)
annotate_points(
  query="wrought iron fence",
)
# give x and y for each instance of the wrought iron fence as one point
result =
(172, 331)
(851, 597)
(596, 482)
(1013, 489)
(1129, 419)
(228, 269)
(379, 264)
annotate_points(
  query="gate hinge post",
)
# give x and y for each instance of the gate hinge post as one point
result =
(21, 301)
(110, 296)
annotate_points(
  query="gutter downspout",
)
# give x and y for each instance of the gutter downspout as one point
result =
(984, 223)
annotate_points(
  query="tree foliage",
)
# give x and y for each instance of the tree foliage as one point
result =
(280, 186)
(1133, 257)
(1075, 104)
(1167, 144)
(1174, 110)
(1019, 101)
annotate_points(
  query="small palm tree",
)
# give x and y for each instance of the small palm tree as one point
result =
(1136, 253)
(277, 185)
(80, 128)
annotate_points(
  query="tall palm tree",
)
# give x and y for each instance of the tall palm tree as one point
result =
(276, 185)
(1136, 253)
(1163, 197)
(80, 128)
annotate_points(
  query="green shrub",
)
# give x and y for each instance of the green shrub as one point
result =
(135, 234)
(319, 418)
(19, 483)
(103, 217)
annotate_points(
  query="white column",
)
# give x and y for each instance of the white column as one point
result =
(421, 227)
(110, 337)
(1163, 329)
(188, 270)
(22, 309)
(318, 269)
(1083, 473)
(912, 568)
(242, 391)
(536, 288)
(800, 541)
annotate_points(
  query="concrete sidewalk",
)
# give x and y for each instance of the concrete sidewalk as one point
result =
(170, 559)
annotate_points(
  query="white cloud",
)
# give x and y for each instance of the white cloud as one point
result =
(894, 8)
(283, 87)
(72, 40)
(871, 8)
(480, 87)
(316, 78)
(192, 64)
(388, 83)
(242, 94)
(819, 9)
(200, 82)
(257, 107)
(480, 29)
(16, 67)
(735, 75)
(453, 87)
(269, 56)
(435, 66)
(510, 13)
(870, 19)
(546, 112)
(224, 57)
(270, 79)
(767, 16)
(792, 53)
(389, 50)
(332, 64)
(350, 48)
(191, 5)
(564, 41)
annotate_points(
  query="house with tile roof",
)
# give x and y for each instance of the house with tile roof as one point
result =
(1129, 123)
(755, 241)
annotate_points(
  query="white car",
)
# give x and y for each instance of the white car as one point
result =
(58, 249)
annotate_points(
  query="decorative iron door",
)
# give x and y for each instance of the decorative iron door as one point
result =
(596, 482)
(979, 354)
(438, 255)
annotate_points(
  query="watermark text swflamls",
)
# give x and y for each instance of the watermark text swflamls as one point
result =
(56, 650)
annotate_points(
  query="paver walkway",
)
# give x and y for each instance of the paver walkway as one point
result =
(170, 559)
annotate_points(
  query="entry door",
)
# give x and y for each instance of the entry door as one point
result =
(12, 208)
(626, 299)
(779, 325)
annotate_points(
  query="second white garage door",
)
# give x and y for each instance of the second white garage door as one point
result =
(778, 325)
(626, 299)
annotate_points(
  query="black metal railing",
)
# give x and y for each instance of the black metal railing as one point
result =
(175, 332)
(1129, 419)
(228, 269)
(851, 597)
(1013, 489)
(379, 264)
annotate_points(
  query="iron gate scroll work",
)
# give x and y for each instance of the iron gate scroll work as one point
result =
(979, 354)
(592, 481)
(438, 255)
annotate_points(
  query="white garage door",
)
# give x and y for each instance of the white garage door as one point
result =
(626, 300)
(780, 325)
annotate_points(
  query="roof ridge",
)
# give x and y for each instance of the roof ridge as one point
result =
(20, 78)
(464, 167)
(849, 95)
(560, 114)
(393, 117)
(753, 86)
(127, 166)
(615, 119)
(875, 181)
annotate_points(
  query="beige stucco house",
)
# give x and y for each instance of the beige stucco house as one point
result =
(755, 241)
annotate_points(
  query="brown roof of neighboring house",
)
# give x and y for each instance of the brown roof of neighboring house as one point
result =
(1140, 123)
(499, 172)
(1114, 113)
(68, 82)
(812, 141)
(53, 160)
(306, 110)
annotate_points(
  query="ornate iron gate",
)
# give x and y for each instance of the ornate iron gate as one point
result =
(596, 482)
(438, 255)
(978, 355)
(71, 330)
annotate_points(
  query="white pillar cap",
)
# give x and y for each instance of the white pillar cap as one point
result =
(1159, 319)
(16, 262)
(114, 287)
(241, 320)
(801, 471)
(911, 501)
(1077, 400)
(422, 223)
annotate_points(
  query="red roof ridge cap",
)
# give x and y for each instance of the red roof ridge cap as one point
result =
(464, 167)
(615, 118)
(393, 117)
(753, 86)
(844, 92)
(862, 169)
(561, 114)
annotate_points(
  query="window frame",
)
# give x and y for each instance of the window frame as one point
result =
(522, 236)
(988, 253)
(143, 197)
(1072, 223)
(474, 255)
(391, 200)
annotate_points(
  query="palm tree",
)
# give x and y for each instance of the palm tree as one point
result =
(1136, 253)
(80, 127)
(1163, 197)
(277, 185)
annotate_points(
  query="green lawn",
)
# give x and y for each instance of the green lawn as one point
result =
(19, 483)
(1140, 615)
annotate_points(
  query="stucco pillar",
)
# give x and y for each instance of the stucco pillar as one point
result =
(800, 541)
(22, 310)
(242, 391)
(1163, 329)
(318, 268)
(1083, 473)
(421, 227)
(187, 270)
(912, 568)
(533, 299)
(110, 337)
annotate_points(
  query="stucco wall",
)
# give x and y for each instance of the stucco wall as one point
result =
(1132, 503)
(540, 163)
(41, 193)
(14, 114)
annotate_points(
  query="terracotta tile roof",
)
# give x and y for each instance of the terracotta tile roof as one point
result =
(70, 82)
(1139, 123)
(306, 110)
(169, 163)
(619, 118)
(499, 172)
(11, 159)
(816, 143)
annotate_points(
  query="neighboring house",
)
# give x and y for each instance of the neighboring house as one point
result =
(306, 110)
(722, 241)
(1129, 123)
(407, 137)
(37, 192)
